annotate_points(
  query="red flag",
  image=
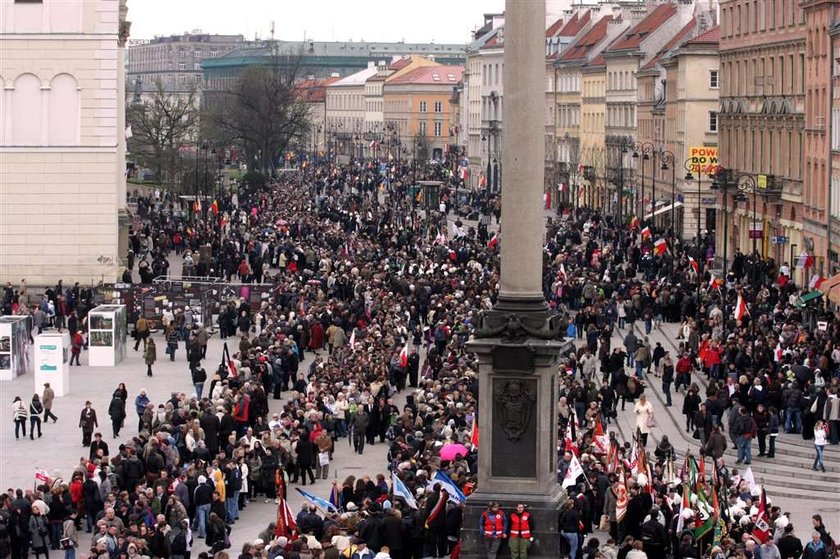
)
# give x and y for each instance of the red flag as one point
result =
(286, 525)
(404, 356)
(621, 498)
(646, 233)
(214, 207)
(694, 265)
(660, 246)
(571, 444)
(474, 433)
(762, 531)
(600, 439)
(740, 308)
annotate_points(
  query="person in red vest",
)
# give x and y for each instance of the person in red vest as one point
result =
(521, 527)
(494, 526)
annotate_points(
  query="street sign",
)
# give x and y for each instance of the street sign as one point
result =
(779, 240)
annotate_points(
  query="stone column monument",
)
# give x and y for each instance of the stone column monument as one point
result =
(516, 341)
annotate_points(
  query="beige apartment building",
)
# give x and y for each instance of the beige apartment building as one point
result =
(62, 141)
(762, 119)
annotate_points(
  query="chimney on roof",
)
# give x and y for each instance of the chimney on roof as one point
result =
(335, 75)
(431, 57)
(371, 64)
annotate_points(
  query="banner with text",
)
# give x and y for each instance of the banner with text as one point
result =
(702, 159)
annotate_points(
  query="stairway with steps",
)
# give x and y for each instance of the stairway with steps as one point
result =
(787, 475)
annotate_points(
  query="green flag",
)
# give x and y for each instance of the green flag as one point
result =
(705, 518)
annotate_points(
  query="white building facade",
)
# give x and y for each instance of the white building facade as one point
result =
(62, 141)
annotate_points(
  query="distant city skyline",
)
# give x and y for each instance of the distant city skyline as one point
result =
(439, 21)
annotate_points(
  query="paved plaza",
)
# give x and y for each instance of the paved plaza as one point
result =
(60, 448)
(790, 482)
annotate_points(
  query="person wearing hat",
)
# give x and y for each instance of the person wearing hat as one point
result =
(87, 423)
(47, 398)
(361, 549)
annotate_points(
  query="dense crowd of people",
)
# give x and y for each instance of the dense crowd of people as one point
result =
(376, 292)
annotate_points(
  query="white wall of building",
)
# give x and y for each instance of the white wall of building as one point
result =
(62, 143)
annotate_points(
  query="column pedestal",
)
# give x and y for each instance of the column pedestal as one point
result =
(517, 457)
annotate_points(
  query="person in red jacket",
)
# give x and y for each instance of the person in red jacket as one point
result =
(493, 524)
(521, 532)
(76, 347)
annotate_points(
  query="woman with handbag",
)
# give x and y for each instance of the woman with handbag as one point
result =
(39, 533)
(645, 421)
(69, 537)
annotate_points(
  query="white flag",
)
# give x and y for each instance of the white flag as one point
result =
(573, 472)
(748, 477)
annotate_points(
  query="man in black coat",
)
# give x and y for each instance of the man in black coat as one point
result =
(790, 547)
(210, 424)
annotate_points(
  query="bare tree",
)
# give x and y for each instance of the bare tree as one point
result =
(264, 111)
(160, 127)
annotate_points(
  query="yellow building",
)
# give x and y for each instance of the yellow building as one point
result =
(418, 102)
(692, 104)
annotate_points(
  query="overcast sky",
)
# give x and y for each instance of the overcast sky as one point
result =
(441, 21)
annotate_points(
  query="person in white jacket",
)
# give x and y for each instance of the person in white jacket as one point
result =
(644, 418)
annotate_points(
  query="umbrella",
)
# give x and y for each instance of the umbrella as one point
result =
(449, 451)
(282, 222)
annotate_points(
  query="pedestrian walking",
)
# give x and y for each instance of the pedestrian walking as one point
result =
(19, 415)
(87, 422)
(570, 527)
(359, 424)
(199, 377)
(645, 420)
(150, 356)
(76, 347)
(820, 439)
(141, 332)
(116, 410)
(70, 536)
(47, 398)
(744, 430)
(667, 378)
(36, 408)
(172, 340)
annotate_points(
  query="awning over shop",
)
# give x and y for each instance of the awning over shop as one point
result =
(664, 209)
(831, 289)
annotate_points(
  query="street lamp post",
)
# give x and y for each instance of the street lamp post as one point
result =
(646, 150)
(667, 161)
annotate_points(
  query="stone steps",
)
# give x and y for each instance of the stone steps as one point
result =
(788, 474)
(809, 485)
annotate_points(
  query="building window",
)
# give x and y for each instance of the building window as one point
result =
(438, 106)
(29, 1)
(438, 128)
(714, 81)
(422, 106)
(422, 128)
(713, 121)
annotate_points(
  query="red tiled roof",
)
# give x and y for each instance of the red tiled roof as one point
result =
(555, 27)
(314, 91)
(675, 41)
(431, 75)
(575, 25)
(653, 21)
(590, 39)
(710, 37)
(597, 61)
(399, 64)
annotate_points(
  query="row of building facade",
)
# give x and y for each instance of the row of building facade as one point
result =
(647, 98)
